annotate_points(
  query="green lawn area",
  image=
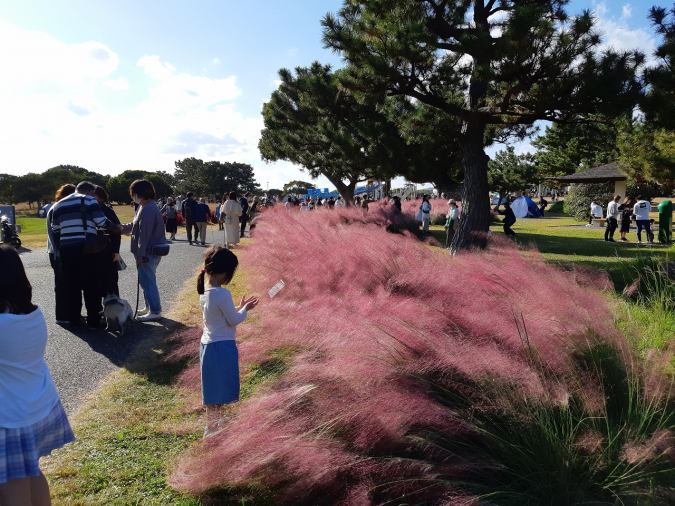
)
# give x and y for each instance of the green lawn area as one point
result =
(582, 245)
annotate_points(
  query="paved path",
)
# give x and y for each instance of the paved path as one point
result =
(79, 361)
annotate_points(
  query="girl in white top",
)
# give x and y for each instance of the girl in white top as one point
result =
(218, 355)
(32, 420)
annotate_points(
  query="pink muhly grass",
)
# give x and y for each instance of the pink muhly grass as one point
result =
(376, 322)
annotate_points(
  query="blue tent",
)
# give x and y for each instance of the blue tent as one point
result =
(524, 207)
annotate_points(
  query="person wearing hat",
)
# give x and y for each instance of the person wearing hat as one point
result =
(451, 223)
(170, 212)
(397, 203)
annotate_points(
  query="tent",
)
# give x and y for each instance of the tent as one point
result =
(42, 212)
(524, 207)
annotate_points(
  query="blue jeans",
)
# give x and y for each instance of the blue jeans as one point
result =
(147, 277)
(648, 228)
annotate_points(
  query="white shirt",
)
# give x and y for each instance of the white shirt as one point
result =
(220, 316)
(453, 213)
(613, 210)
(596, 210)
(27, 391)
(642, 209)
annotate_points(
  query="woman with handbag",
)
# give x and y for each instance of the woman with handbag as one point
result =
(147, 233)
(230, 216)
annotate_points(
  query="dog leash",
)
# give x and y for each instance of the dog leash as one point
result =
(138, 291)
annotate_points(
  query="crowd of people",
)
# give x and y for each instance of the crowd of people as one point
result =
(625, 212)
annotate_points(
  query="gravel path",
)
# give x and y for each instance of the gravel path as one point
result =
(79, 361)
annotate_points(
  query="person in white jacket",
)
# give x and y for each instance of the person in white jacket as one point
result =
(612, 218)
(641, 210)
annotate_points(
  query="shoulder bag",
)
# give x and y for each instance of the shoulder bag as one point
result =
(93, 243)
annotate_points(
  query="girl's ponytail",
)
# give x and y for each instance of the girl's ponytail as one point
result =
(200, 282)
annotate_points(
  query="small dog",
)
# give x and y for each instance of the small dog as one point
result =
(117, 310)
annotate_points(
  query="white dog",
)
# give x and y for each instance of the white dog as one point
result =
(117, 310)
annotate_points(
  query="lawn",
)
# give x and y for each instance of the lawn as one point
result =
(563, 240)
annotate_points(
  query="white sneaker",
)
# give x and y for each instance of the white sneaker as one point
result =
(143, 312)
(150, 317)
(639, 242)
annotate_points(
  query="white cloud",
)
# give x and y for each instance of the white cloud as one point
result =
(117, 84)
(618, 35)
(56, 110)
(626, 11)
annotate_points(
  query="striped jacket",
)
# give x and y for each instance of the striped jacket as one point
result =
(67, 219)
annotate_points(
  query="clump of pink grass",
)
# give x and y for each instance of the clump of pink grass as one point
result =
(372, 318)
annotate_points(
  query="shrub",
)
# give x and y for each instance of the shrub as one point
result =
(411, 376)
(580, 196)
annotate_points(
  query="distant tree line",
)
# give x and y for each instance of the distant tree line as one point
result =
(202, 178)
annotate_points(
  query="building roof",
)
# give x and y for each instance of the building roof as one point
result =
(602, 174)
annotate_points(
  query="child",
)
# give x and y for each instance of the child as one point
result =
(32, 420)
(218, 355)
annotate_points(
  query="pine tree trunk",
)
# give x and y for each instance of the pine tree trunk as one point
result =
(347, 191)
(475, 216)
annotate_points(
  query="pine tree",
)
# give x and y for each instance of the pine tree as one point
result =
(496, 66)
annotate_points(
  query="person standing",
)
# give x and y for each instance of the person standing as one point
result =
(451, 223)
(641, 209)
(218, 354)
(76, 217)
(202, 217)
(60, 282)
(243, 202)
(626, 211)
(109, 257)
(219, 210)
(397, 203)
(32, 420)
(612, 218)
(232, 212)
(188, 211)
(543, 203)
(171, 214)
(509, 219)
(424, 214)
(147, 231)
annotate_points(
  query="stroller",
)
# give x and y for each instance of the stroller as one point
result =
(9, 235)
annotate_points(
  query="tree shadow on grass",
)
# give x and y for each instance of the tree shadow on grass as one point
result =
(622, 261)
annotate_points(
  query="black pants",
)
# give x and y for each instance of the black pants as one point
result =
(189, 224)
(244, 218)
(108, 276)
(171, 226)
(611, 228)
(60, 290)
(507, 227)
(79, 270)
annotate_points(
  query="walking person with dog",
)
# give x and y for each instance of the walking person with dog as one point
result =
(147, 232)
(74, 225)
(60, 281)
(32, 420)
(218, 354)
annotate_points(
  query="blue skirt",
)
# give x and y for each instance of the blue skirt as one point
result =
(21, 449)
(220, 372)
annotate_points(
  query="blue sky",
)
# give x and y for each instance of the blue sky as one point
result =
(123, 85)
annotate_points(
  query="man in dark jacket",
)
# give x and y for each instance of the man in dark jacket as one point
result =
(202, 217)
(509, 219)
(243, 202)
(188, 211)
